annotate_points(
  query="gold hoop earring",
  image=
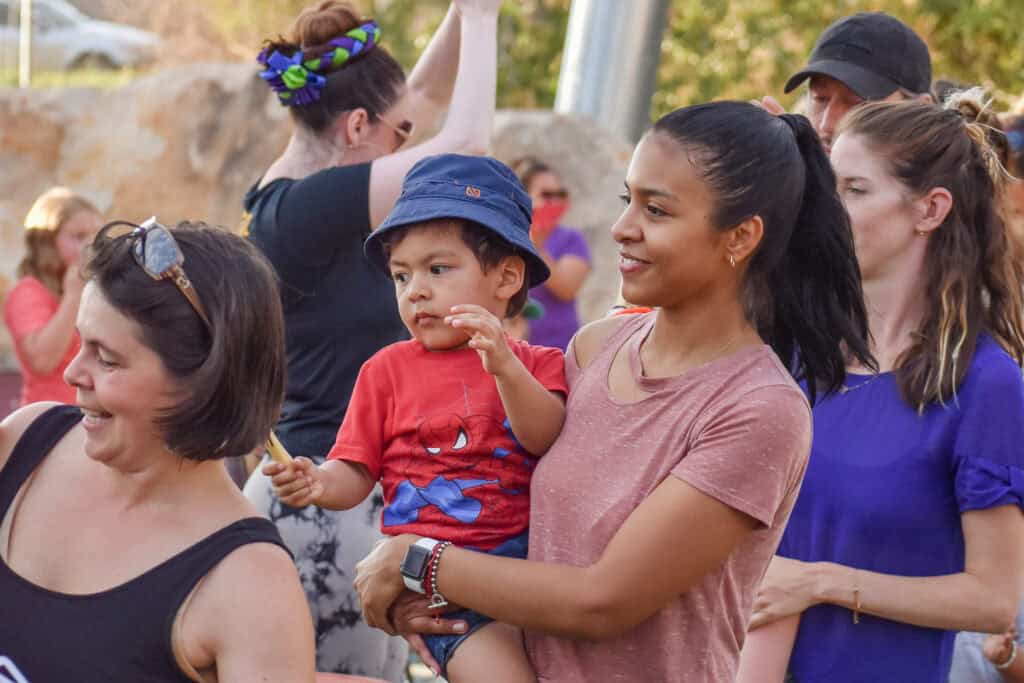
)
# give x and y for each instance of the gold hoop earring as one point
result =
(732, 260)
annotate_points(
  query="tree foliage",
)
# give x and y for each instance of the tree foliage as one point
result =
(711, 49)
(714, 49)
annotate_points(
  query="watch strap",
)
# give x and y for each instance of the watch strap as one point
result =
(412, 583)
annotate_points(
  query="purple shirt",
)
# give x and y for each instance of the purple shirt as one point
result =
(560, 319)
(884, 492)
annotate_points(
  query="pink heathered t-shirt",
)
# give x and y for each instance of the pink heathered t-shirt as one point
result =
(738, 429)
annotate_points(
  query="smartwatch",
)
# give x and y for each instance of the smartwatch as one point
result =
(415, 563)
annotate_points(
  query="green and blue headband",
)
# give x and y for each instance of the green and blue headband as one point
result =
(299, 82)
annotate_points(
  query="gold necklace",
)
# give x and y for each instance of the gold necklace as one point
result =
(847, 389)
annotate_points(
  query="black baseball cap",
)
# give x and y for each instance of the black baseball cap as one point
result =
(873, 54)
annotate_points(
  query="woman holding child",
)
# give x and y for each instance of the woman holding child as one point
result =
(353, 113)
(451, 422)
(684, 428)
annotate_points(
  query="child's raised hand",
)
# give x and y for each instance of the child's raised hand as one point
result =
(297, 484)
(486, 335)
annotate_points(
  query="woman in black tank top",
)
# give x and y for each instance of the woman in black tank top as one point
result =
(126, 551)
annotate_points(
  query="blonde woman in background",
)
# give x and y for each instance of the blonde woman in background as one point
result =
(40, 310)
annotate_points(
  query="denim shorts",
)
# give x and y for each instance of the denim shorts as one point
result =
(444, 646)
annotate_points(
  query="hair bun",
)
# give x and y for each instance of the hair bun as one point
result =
(970, 103)
(984, 128)
(318, 24)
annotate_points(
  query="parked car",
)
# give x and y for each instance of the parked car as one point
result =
(63, 37)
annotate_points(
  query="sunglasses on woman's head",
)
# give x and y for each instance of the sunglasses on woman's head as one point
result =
(159, 255)
(554, 195)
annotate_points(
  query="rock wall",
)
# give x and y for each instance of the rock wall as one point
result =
(186, 143)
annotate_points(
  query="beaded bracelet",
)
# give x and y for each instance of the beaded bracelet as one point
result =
(436, 599)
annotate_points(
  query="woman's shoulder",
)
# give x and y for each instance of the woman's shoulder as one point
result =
(256, 560)
(570, 240)
(301, 223)
(568, 232)
(592, 337)
(14, 426)
(757, 379)
(992, 369)
(29, 286)
(753, 387)
(254, 594)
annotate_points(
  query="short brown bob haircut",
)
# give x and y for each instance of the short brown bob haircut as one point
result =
(231, 375)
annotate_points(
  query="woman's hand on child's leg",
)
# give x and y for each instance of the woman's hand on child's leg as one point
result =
(297, 484)
(486, 335)
(411, 616)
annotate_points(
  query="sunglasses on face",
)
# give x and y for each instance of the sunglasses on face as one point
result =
(158, 254)
(403, 130)
(554, 195)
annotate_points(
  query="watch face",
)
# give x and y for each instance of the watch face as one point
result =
(415, 563)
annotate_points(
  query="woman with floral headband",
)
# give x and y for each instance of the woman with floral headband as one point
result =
(353, 112)
(40, 310)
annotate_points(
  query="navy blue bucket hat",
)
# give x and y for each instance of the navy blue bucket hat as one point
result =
(478, 189)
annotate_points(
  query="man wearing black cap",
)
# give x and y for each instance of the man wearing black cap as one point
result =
(866, 56)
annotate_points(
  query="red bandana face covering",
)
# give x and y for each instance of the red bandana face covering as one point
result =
(546, 217)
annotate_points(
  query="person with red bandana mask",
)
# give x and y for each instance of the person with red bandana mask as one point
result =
(563, 249)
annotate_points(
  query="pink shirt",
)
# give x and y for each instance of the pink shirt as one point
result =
(29, 306)
(738, 429)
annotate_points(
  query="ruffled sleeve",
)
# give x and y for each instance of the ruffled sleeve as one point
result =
(989, 451)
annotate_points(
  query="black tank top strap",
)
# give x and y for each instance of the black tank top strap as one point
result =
(179, 576)
(184, 571)
(32, 448)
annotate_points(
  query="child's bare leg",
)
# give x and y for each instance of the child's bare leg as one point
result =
(493, 654)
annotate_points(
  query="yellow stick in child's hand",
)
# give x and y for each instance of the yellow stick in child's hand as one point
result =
(277, 452)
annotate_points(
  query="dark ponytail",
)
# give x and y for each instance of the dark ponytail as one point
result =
(802, 288)
(816, 286)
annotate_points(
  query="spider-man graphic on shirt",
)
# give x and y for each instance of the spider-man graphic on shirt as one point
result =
(432, 427)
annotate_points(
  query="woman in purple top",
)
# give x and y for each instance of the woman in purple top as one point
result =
(563, 249)
(908, 527)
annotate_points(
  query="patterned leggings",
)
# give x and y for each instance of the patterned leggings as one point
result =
(327, 545)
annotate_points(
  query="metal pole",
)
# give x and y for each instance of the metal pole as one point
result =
(610, 62)
(25, 45)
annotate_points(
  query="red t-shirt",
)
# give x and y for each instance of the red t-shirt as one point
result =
(29, 306)
(431, 426)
